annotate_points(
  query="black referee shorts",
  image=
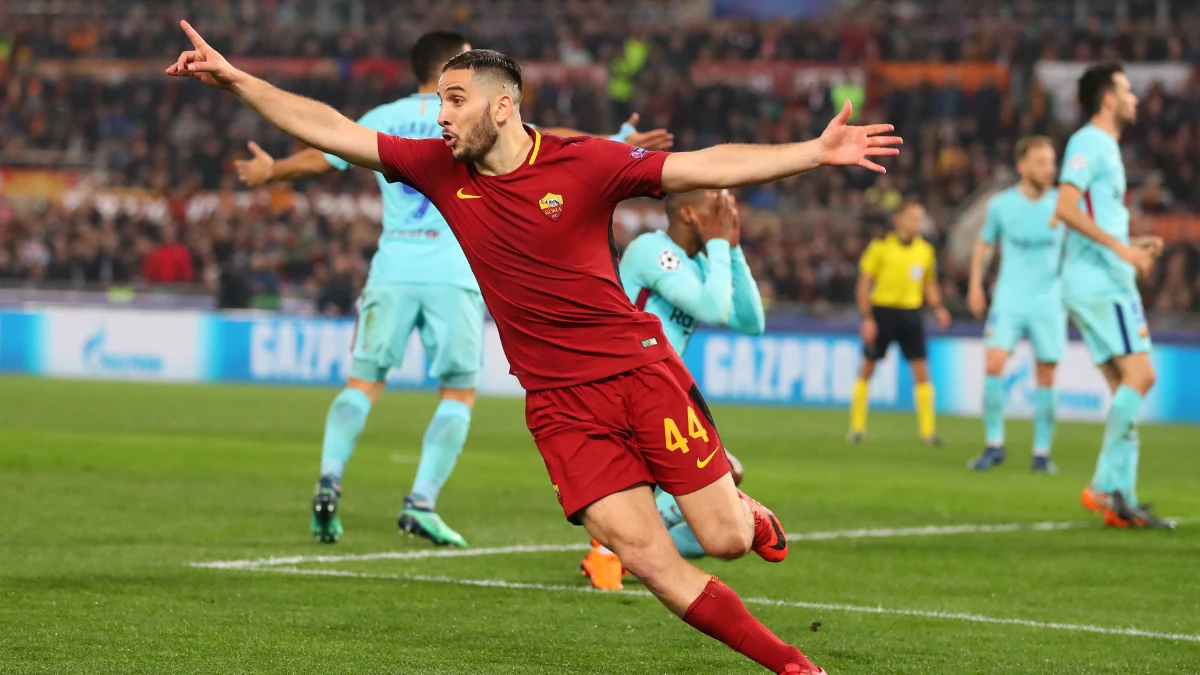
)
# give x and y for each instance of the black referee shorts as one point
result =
(897, 325)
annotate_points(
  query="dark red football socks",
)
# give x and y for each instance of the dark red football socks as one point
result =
(719, 613)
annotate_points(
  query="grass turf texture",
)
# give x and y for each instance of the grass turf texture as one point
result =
(111, 490)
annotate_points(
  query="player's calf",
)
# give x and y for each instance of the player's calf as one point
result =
(628, 523)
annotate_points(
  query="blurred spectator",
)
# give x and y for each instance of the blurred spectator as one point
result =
(1176, 293)
(152, 135)
(168, 262)
(338, 292)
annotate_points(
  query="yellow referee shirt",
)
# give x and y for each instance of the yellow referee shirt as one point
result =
(900, 271)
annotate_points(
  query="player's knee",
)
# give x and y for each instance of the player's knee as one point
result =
(868, 369)
(725, 538)
(1142, 379)
(1045, 374)
(728, 544)
(466, 396)
(372, 389)
(920, 371)
(995, 363)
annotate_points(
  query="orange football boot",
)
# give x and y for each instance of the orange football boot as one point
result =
(1113, 519)
(770, 543)
(602, 568)
(1096, 502)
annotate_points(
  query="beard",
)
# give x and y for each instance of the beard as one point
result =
(476, 144)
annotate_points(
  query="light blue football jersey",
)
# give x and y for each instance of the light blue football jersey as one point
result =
(1092, 163)
(716, 287)
(417, 245)
(1031, 250)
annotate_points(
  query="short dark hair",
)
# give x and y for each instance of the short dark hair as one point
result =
(675, 201)
(1030, 142)
(434, 49)
(489, 62)
(1095, 82)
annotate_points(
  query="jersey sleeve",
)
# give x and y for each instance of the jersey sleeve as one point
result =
(869, 263)
(372, 119)
(660, 270)
(931, 265)
(991, 222)
(414, 162)
(747, 315)
(1079, 163)
(619, 171)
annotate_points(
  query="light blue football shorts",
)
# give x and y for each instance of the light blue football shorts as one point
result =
(1111, 324)
(1045, 327)
(449, 320)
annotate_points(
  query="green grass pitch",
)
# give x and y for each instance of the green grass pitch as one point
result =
(111, 491)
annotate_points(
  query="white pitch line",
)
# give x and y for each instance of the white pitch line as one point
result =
(389, 555)
(936, 530)
(868, 533)
(833, 607)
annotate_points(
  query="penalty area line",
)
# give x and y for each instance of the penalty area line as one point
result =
(832, 607)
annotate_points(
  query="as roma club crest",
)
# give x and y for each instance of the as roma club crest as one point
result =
(552, 205)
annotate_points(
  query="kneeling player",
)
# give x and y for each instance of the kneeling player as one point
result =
(1027, 299)
(694, 272)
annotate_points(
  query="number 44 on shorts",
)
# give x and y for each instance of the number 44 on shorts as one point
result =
(675, 440)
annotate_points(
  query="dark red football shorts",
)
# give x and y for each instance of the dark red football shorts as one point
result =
(648, 425)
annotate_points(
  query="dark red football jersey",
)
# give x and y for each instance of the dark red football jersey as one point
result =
(539, 240)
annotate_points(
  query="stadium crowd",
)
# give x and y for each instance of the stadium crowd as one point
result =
(151, 134)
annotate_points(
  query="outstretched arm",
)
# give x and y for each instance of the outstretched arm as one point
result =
(310, 122)
(655, 139)
(262, 168)
(732, 166)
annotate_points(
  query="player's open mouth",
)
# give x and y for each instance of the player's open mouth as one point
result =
(449, 138)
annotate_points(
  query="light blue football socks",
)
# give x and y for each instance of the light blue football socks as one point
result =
(443, 443)
(345, 421)
(1043, 421)
(993, 411)
(1116, 469)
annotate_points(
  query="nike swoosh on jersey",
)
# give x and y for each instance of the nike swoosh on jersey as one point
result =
(701, 463)
(461, 195)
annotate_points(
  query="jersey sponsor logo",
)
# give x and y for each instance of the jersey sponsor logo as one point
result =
(412, 234)
(1078, 161)
(637, 153)
(552, 206)
(916, 272)
(683, 319)
(701, 463)
(463, 195)
(669, 261)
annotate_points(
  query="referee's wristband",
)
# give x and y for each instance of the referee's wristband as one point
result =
(626, 131)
